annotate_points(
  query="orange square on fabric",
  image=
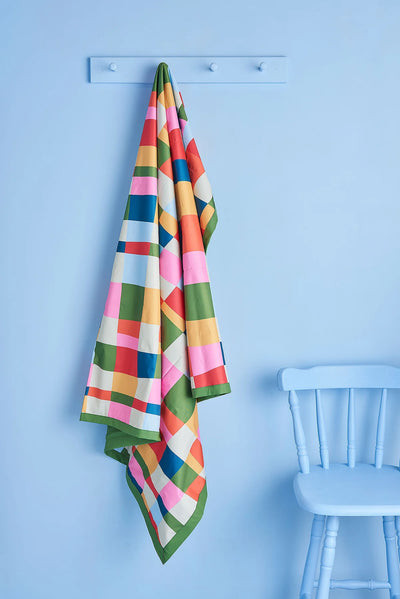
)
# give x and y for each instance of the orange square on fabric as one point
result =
(172, 423)
(129, 327)
(185, 199)
(151, 306)
(192, 240)
(202, 332)
(124, 383)
(196, 488)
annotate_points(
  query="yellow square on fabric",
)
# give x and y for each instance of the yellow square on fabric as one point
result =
(151, 306)
(147, 156)
(148, 456)
(184, 198)
(206, 215)
(173, 316)
(169, 223)
(194, 464)
(163, 135)
(169, 95)
(124, 383)
(202, 332)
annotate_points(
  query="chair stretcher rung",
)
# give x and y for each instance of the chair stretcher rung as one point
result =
(349, 584)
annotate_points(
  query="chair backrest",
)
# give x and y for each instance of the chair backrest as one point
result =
(319, 378)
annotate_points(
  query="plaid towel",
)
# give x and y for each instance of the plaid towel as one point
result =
(158, 349)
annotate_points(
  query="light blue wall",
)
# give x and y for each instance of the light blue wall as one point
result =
(305, 268)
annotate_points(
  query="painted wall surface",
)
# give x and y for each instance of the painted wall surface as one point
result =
(304, 265)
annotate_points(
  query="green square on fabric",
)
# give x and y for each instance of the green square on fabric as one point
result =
(179, 399)
(126, 400)
(163, 152)
(184, 477)
(128, 203)
(105, 355)
(198, 301)
(132, 297)
(169, 331)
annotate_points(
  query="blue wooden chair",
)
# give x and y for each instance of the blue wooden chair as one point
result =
(331, 490)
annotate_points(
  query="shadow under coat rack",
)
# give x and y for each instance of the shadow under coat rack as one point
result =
(190, 69)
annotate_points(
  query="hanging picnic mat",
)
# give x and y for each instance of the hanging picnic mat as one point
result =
(158, 350)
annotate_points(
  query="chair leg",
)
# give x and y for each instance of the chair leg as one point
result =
(328, 557)
(392, 557)
(397, 524)
(307, 585)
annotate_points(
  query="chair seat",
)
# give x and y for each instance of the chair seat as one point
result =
(342, 491)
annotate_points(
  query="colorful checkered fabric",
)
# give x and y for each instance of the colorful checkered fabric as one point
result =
(158, 350)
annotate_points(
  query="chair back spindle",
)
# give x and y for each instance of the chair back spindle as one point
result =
(299, 436)
(380, 431)
(323, 443)
(351, 431)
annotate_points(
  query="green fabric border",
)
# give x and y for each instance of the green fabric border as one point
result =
(164, 553)
(134, 435)
(209, 230)
(212, 391)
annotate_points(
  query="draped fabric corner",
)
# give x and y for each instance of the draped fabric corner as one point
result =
(158, 350)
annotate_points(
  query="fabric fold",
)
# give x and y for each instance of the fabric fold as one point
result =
(158, 349)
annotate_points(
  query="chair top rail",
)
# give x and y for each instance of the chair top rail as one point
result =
(375, 376)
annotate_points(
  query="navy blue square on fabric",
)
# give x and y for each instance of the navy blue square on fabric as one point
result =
(142, 208)
(170, 463)
(161, 505)
(164, 236)
(146, 365)
(180, 170)
(153, 408)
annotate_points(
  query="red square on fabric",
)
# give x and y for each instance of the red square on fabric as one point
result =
(126, 361)
(197, 452)
(216, 376)
(129, 327)
(176, 145)
(149, 135)
(176, 301)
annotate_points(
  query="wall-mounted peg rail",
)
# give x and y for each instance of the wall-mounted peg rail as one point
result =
(190, 69)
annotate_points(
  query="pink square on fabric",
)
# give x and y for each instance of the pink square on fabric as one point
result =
(164, 431)
(195, 268)
(127, 341)
(136, 471)
(90, 375)
(155, 392)
(170, 495)
(119, 411)
(151, 113)
(144, 186)
(170, 267)
(182, 124)
(172, 118)
(113, 300)
(170, 376)
(205, 357)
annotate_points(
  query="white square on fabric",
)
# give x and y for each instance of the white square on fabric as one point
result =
(184, 509)
(153, 273)
(96, 406)
(165, 533)
(149, 338)
(118, 268)
(101, 379)
(181, 442)
(108, 330)
(159, 479)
